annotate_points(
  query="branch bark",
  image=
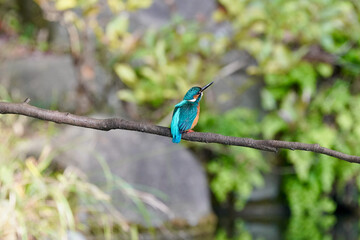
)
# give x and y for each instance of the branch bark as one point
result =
(118, 123)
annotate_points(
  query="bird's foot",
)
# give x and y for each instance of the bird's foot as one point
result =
(189, 131)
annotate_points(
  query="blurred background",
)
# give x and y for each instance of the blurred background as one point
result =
(287, 70)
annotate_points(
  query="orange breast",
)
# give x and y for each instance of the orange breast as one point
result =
(196, 118)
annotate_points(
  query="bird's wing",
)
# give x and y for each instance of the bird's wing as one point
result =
(175, 130)
(183, 117)
(186, 117)
(180, 104)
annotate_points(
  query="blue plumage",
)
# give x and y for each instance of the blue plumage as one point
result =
(186, 113)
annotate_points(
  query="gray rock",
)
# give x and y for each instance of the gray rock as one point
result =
(45, 79)
(160, 14)
(148, 163)
(60, 38)
(237, 89)
(270, 190)
(51, 80)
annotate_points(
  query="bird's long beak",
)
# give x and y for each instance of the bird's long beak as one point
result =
(206, 86)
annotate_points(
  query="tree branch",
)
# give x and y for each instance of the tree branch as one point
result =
(118, 123)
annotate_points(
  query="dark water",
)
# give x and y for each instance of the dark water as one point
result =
(331, 227)
(272, 220)
(339, 227)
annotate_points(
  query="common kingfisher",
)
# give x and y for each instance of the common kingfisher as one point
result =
(186, 112)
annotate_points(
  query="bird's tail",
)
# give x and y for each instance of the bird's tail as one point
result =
(175, 131)
(176, 138)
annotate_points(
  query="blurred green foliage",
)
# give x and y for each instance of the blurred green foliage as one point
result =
(308, 98)
(8, 16)
(234, 169)
(23, 22)
(165, 64)
(308, 53)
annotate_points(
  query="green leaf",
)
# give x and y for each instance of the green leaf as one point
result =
(136, 4)
(337, 97)
(126, 95)
(126, 74)
(271, 125)
(324, 69)
(116, 5)
(117, 27)
(150, 74)
(327, 205)
(160, 52)
(345, 120)
(234, 7)
(302, 161)
(324, 135)
(305, 75)
(326, 170)
(222, 184)
(267, 99)
(65, 4)
(282, 56)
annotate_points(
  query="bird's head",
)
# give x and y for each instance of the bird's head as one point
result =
(195, 93)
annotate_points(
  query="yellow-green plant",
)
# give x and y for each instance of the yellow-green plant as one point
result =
(38, 203)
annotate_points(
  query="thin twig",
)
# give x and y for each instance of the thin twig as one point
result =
(229, 69)
(118, 123)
